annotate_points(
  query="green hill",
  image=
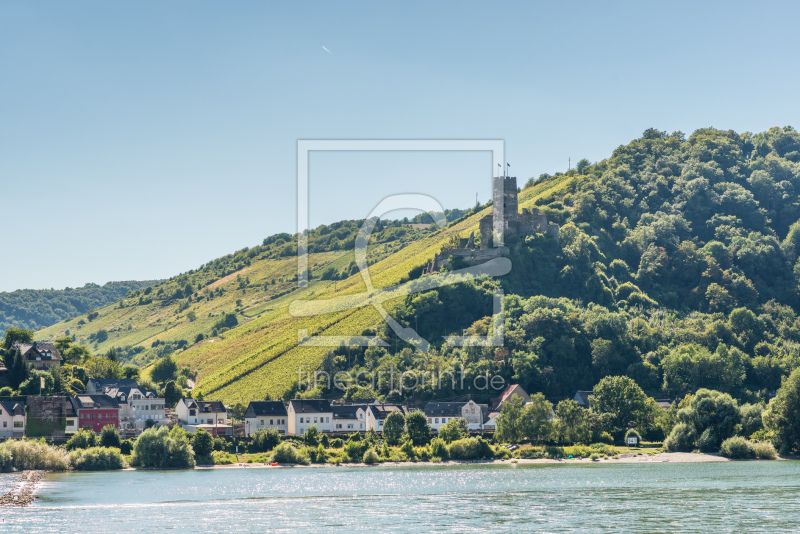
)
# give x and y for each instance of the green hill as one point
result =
(677, 265)
(38, 308)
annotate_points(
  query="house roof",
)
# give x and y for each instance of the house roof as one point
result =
(120, 392)
(584, 397)
(94, 402)
(504, 395)
(310, 405)
(444, 409)
(101, 384)
(382, 411)
(258, 408)
(205, 406)
(13, 407)
(347, 411)
(46, 351)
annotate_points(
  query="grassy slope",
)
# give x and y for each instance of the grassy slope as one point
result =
(262, 355)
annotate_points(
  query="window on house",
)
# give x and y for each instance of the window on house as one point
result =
(17, 424)
(5, 424)
(436, 420)
(444, 420)
(315, 419)
(301, 420)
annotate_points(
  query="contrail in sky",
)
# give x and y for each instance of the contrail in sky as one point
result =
(328, 51)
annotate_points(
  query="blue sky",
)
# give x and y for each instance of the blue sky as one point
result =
(141, 139)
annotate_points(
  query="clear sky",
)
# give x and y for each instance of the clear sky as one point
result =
(141, 139)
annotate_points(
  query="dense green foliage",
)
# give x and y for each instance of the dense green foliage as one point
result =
(97, 459)
(783, 413)
(160, 447)
(35, 309)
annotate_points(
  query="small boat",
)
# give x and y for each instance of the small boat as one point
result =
(274, 464)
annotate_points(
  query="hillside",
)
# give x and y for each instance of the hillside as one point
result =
(677, 265)
(38, 308)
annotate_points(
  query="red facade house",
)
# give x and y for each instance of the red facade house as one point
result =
(96, 411)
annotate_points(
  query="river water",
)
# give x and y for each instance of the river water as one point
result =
(731, 497)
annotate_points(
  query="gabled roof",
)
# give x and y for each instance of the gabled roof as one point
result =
(582, 397)
(205, 406)
(347, 411)
(260, 408)
(310, 405)
(506, 393)
(101, 384)
(382, 411)
(13, 407)
(444, 409)
(94, 402)
(47, 351)
(124, 393)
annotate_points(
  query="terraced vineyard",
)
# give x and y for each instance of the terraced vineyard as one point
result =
(261, 355)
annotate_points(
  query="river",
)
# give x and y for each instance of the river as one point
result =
(670, 497)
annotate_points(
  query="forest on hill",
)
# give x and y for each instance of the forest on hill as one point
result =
(38, 308)
(677, 266)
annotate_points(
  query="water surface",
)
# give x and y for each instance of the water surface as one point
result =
(660, 497)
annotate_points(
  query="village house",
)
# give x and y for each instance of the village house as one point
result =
(306, 412)
(42, 356)
(349, 417)
(95, 411)
(376, 414)
(137, 406)
(264, 415)
(12, 419)
(439, 413)
(496, 403)
(211, 416)
(100, 385)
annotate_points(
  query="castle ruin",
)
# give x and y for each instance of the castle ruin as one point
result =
(505, 220)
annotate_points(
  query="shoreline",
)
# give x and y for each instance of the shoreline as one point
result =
(21, 495)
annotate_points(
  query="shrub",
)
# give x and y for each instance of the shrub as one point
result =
(501, 453)
(707, 442)
(160, 447)
(336, 443)
(407, 448)
(126, 447)
(83, 439)
(223, 458)
(529, 453)
(764, 450)
(439, 449)
(203, 443)
(555, 452)
(681, 439)
(470, 449)
(97, 459)
(27, 454)
(737, 447)
(311, 436)
(286, 453)
(6, 461)
(109, 437)
(266, 440)
(594, 457)
(371, 457)
(606, 438)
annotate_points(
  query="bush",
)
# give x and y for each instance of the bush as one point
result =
(707, 442)
(26, 454)
(126, 447)
(223, 458)
(354, 451)
(286, 453)
(606, 438)
(529, 453)
(266, 440)
(82, 439)
(439, 449)
(737, 447)
(97, 459)
(160, 447)
(6, 461)
(109, 437)
(594, 457)
(336, 443)
(764, 450)
(470, 449)
(632, 433)
(681, 439)
(203, 443)
(371, 457)
(501, 453)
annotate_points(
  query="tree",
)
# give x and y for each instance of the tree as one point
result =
(510, 423)
(203, 443)
(17, 335)
(393, 427)
(572, 422)
(536, 418)
(112, 354)
(266, 439)
(130, 371)
(418, 429)
(18, 370)
(32, 386)
(164, 369)
(192, 316)
(783, 413)
(311, 437)
(714, 416)
(160, 447)
(237, 411)
(623, 400)
(456, 428)
(172, 394)
(109, 437)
